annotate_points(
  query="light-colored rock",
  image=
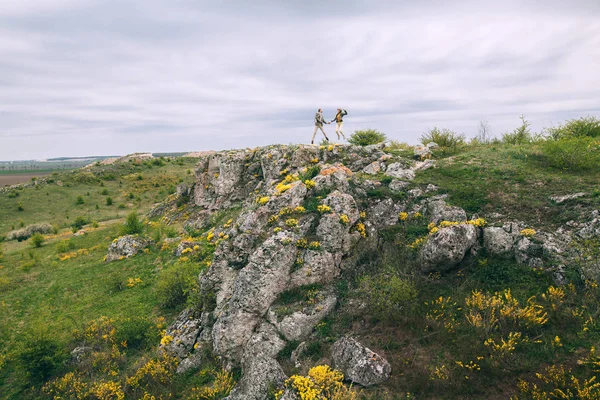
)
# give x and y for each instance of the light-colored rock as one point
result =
(398, 186)
(422, 152)
(397, 170)
(261, 373)
(358, 363)
(126, 246)
(498, 241)
(439, 211)
(319, 267)
(447, 248)
(300, 324)
(372, 169)
(562, 199)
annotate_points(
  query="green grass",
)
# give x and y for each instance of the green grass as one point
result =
(55, 204)
(514, 181)
(40, 293)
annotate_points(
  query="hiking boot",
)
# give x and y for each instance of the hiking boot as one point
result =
(312, 142)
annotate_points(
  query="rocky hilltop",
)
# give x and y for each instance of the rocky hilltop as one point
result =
(303, 218)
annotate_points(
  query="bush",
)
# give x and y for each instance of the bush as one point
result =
(133, 225)
(109, 201)
(104, 192)
(28, 231)
(79, 223)
(576, 128)
(520, 135)
(65, 246)
(41, 358)
(176, 284)
(388, 297)
(366, 137)
(444, 138)
(137, 332)
(37, 240)
(79, 200)
(574, 154)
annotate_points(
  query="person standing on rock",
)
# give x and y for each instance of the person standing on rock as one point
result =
(339, 122)
(319, 121)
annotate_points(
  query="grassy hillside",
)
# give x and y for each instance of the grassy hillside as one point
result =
(475, 332)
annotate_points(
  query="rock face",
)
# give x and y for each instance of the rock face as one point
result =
(299, 217)
(447, 247)
(358, 363)
(126, 246)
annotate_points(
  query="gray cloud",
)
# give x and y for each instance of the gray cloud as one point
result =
(113, 77)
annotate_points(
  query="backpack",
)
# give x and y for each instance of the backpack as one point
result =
(344, 112)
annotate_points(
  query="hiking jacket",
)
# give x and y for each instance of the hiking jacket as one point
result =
(319, 120)
(339, 116)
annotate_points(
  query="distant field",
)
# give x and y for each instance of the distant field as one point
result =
(13, 178)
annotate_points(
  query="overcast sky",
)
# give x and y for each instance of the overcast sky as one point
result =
(102, 77)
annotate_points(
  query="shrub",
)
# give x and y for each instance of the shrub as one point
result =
(20, 207)
(387, 297)
(576, 128)
(41, 358)
(109, 201)
(104, 192)
(28, 231)
(176, 284)
(79, 223)
(366, 137)
(79, 200)
(132, 225)
(37, 240)
(445, 138)
(65, 246)
(520, 135)
(574, 154)
(137, 332)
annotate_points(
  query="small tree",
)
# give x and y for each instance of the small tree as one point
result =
(37, 240)
(484, 132)
(132, 225)
(109, 201)
(366, 137)
(520, 135)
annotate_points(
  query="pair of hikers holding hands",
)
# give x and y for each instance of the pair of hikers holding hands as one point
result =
(339, 123)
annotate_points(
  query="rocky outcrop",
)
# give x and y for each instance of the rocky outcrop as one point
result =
(446, 248)
(126, 246)
(358, 363)
(300, 216)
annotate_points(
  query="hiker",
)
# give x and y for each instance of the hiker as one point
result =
(339, 122)
(319, 121)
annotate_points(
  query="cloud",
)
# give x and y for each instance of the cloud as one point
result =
(114, 77)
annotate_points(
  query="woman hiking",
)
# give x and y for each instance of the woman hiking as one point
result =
(339, 122)
(319, 121)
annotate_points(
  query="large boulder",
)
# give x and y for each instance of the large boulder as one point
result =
(126, 246)
(358, 363)
(300, 324)
(446, 248)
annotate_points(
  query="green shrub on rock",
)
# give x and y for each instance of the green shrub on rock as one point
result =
(176, 284)
(366, 137)
(444, 138)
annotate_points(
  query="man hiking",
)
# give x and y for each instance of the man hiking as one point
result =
(339, 122)
(319, 121)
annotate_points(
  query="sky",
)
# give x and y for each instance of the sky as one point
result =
(112, 77)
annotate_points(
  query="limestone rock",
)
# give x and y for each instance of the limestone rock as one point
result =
(300, 324)
(397, 170)
(398, 186)
(447, 247)
(439, 211)
(126, 246)
(358, 363)
(261, 373)
(498, 241)
(372, 169)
